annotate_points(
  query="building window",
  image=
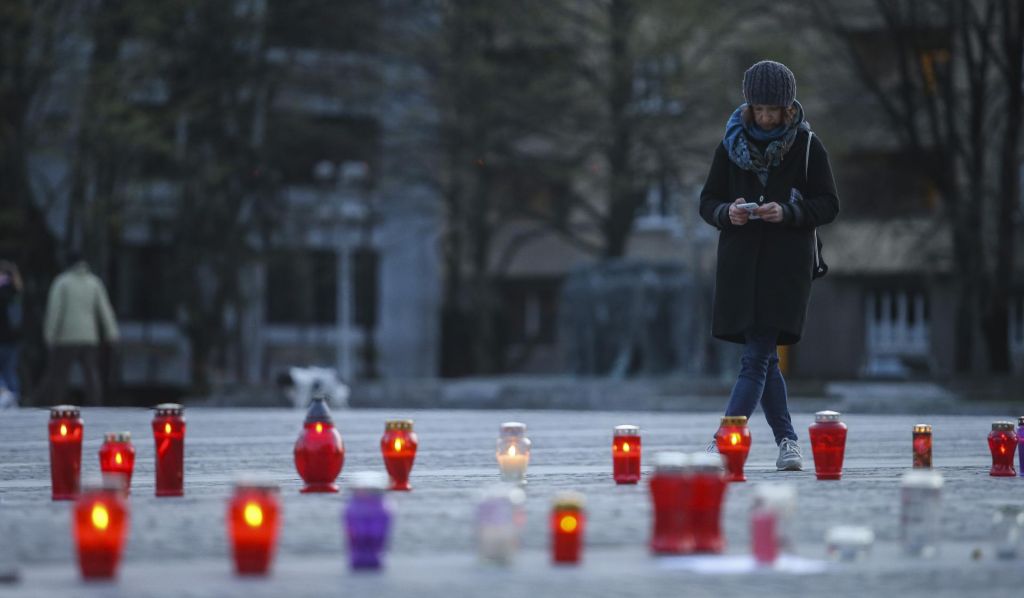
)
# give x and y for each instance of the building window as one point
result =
(140, 289)
(301, 287)
(530, 310)
(898, 332)
(298, 142)
(661, 204)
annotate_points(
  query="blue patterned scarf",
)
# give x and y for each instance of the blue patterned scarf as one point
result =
(746, 155)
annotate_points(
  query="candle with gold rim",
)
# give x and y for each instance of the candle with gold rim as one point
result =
(398, 446)
(65, 431)
(922, 446)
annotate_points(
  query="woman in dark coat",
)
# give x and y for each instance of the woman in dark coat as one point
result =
(767, 252)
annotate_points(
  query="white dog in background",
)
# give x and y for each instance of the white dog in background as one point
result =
(301, 383)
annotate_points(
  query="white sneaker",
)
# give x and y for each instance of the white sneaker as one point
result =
(789, 456)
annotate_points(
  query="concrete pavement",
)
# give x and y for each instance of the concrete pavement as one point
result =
(178, 547)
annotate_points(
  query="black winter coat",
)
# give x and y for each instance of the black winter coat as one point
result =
(763, 279)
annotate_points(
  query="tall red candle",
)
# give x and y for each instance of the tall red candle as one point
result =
(626, 454)
(117, 457)
(252, 517)
(100, 523)
(398, 446)
(169, 438)
(319, 450)
(65, 451)
(1002, 443)
(733, 441)
(567, 523)
(704, 507)
(828, 445)
(670, 485)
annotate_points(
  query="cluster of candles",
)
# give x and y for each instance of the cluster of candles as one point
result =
(687, 490)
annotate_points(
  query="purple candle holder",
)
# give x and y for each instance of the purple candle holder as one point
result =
(367, 520)
(1020, 445)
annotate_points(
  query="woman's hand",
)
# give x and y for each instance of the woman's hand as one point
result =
(770, 212)
(737, 215)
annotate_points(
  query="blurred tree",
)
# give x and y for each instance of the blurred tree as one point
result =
(947, 77)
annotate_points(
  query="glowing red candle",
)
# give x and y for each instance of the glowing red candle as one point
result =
(733, 440)
(704, 504)
(922, 446)
(169, 436)
(65, 451)
(399, 449)
(319, 451)
(567, 523)
(117, 458)
(252, 517)
(1002, 442)
(100, 523)
(626, 454)
(670, 485)
(828, 445)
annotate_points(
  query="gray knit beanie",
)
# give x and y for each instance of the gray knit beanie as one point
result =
(769, 83)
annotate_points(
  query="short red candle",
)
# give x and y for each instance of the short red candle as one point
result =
(733, 441)
(253, 514)
(626, 454)
(398, 446)
(319, 451)
(1002, 442)
(117, 457)
(100, 523)
(169, 437)
(828, 445)
(65, 451)
(567, 523)
(704, 507)
(922, 446)
(670, 485)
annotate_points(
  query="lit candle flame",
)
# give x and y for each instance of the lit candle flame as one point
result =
(568, 524)
(117, 458)
(100, 517)
(734, 438)
(398, 444)
(625, 447)
(512, 451)
(253, 515)
(63, 430)
(319, 428)
(167, 428)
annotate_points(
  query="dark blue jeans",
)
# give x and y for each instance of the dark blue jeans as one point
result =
(761, 380)
(9, 367)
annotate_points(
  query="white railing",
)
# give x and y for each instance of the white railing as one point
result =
(897, 328)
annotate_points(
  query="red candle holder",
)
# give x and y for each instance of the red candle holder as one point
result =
(169, 436)
(567, 523)
(65, 451)
(922, 446)
(626, 454)
(670, 485)
(398, 445)
(100, 523)
(253, 514)
(828, 445)
(733, 441)
(117, 458)
(319, 451)
(1002, 442)
(704, 507)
